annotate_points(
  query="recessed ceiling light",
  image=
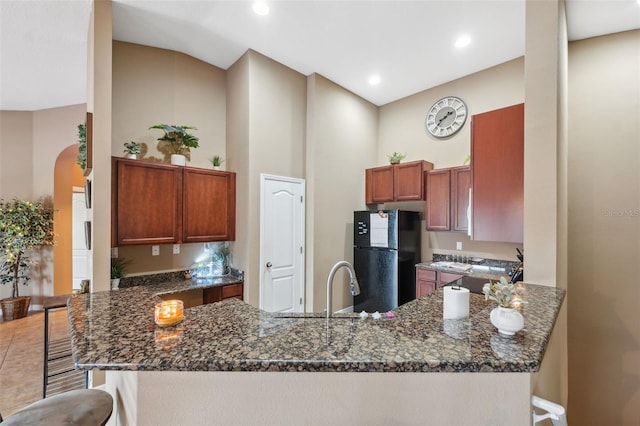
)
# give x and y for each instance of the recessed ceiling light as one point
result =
(374, 80)
(261, 8)
(462, 41)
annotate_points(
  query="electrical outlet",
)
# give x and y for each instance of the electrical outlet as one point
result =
(458, 245)
(114, 252)
(176, 249)
(155, 250)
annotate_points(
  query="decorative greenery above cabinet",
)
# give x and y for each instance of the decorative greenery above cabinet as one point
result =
(397, 182)
(157, 203)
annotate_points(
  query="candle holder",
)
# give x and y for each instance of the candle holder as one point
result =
(168, 313)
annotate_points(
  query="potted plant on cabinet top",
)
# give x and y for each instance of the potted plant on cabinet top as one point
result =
(216, 162)
(24, 225)
(82, 146)
(176, 141)
(396, 158)
(118, 270)
(132, 149)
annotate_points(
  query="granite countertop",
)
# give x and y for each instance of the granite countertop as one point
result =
(114, 330)
(477, 271)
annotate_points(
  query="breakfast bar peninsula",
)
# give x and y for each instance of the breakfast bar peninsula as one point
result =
(230, 363)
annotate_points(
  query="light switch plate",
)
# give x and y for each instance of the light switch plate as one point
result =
(458, 245)
(176, 249)
(155, 250)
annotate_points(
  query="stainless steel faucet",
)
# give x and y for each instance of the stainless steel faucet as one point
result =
(354, 287)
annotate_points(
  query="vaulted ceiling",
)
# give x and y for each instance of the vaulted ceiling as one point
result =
(409, 45)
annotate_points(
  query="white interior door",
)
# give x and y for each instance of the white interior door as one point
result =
(281, 243)
(80, 253)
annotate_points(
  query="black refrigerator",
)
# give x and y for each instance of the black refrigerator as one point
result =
(386, 248)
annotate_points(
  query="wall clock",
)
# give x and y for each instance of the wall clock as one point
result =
(446, 117)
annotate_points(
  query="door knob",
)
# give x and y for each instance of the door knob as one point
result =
(269, 265)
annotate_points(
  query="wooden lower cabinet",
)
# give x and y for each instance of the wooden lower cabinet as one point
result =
(190, 298)
(428, 280)
(219, 293)
(425, 282)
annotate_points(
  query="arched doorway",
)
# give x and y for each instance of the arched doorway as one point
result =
(67, 175)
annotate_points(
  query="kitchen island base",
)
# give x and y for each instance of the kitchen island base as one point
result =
(278, 398)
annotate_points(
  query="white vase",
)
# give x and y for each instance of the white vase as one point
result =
(132, 156)
(178, 159)
(115, 282)
(508, 321)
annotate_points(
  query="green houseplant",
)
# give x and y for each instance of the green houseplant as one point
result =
(396, 157)
(176, 141)
(132, 149)
(118, 270)
(216, 161)
(82, 146)
(24, 225)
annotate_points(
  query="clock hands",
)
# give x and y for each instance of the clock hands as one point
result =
(445, 116)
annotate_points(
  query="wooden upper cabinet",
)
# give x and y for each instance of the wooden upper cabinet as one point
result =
(448, 199)
(438, 205)
(460, 186)
(209, 205)
(379, 185)
(146, 207)
(497, 167)
(158, 203)
(397, 182)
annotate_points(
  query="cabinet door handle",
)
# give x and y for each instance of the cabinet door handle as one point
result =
(269, 265)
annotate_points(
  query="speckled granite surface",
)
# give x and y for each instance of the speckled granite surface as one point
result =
(115, 331)
(492, 273)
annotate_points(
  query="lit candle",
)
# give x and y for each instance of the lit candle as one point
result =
(169, 312)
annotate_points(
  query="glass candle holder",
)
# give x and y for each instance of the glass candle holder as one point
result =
(168, 313)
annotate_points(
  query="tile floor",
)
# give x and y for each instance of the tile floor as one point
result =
(21, 357)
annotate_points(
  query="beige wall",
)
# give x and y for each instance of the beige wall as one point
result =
(604, 229)
(16, 154)
(238, 149)
(341, 143)
(153, 86)
(266, 134)
(545, 171)
(401, 128)
(30, 142)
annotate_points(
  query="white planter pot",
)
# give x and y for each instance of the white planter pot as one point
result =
(508, 321)
(132, 156)
(178, 159)
(115, 282)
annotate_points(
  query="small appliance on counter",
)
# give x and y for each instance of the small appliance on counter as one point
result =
(386, 248)
(518, 273)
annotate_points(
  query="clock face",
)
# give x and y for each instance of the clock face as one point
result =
(446, 117)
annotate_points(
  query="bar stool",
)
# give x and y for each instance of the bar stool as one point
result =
(85, 407)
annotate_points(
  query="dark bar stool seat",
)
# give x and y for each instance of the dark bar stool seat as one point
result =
(84, 407)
